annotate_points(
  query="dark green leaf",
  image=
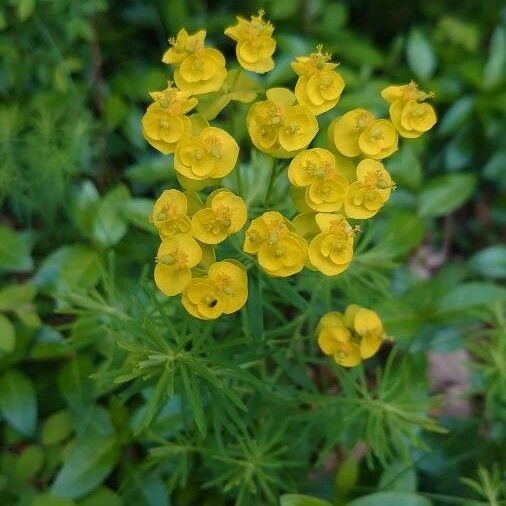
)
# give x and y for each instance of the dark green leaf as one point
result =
(7, 335)
(302, 500)
(14, 252)
(490, 262)
(254, 306)
(391, 498)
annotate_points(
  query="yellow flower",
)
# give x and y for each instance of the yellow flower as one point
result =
(165, 123)
(199, 69)
(281, 251)
(331, 251)
(255, 45)
(223, 291)
(368, 194)
(278, 127)
(409, 112)
(224, 215)
(345, 131)
(317, 170)
(319, 86)
(211, 154)
(379, 139)
(351, 337)
(175, 257)
(170, 214)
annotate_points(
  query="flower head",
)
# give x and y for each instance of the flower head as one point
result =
(224, 214)
(211, 154)
(379, 139)
(199, 69)
(331, 251)
(170, 214)
(318, 171)
(350, 337)
(409, 111)
(223, 291)
(345, 131)
(281, 251)
(255, 45)
(366, 196)
(319, 86)
(175, 257)
(279, 127)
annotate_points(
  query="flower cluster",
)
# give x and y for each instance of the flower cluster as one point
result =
(350, 337)
(330, 185)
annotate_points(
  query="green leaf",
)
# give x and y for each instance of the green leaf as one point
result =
(405, 167)
(69, 269)
(57, 427)
(18, 403)
(109, 224)
(14, 297)
(74, 382)
(457, 115)
(48, 499)
(467, 296)
(399, 478)
(254, 306)
(102, 497)
(30, 462)
(192, 391)
(14, 252)
(302, 500)
(84, 205)
(490, 262)
(137, 212)
(391, 498)
(7, 335)
(445, 193)
(25, 9)
(347, 475)
(420, 55)
(287, 291)
(87, 466)
(494, 71)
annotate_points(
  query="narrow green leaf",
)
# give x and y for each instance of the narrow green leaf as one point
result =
(254, 306)
(57, 427)
(302, 500)
(494, 70)
(18, 403)
(287, 291)
(193, 394)
(391, 498)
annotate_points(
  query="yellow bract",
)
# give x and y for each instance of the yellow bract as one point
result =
(379, 139)
(409, 112)
(223, 291)
(351, 337)
(281, 251)
(211, 154)
(164, 123)
(331, 251)
(344, 132)
(224, 214)
(319, 86)
(368, 194)
(255, 45)
(199, 69)
(278, 127)
(318, 171)
(170, 214)
(175, 257)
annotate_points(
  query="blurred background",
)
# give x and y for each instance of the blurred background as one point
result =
(77, 181)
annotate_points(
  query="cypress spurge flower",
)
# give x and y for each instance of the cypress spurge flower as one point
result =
(224, 214)
(223, 291)
(344, 132)
(279, 127)
(409, 112)
(319, 86)
(318, 171)
(210, 154)
(280, 249)
(255, 45)
(350, 337)
(199, 69)
(366, 196)
(379, 139)
(170, 214)
(175, 257)
(331, 250)
(165, 123)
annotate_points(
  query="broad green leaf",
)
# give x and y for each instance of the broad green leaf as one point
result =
(74, 382)
(102, 497)
(399, 478)
(145, 489)
(15, 297)
(14, 252)
(87, 466)
(347, 475)
(405, 167)
(445, 193)
(25, 9)
(48, 499)
(69, 269)
(137, 212)
(495, 68)
(420, 55)
(84, 205)
(7, 335)
(467, 296)
(457, 115)
(391, 498)
(30, 462)
(109, 224)
(302, 500)
(18, 403)
(57, 427)
(490, 262)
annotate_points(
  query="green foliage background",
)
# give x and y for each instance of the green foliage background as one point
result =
(110, 394)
